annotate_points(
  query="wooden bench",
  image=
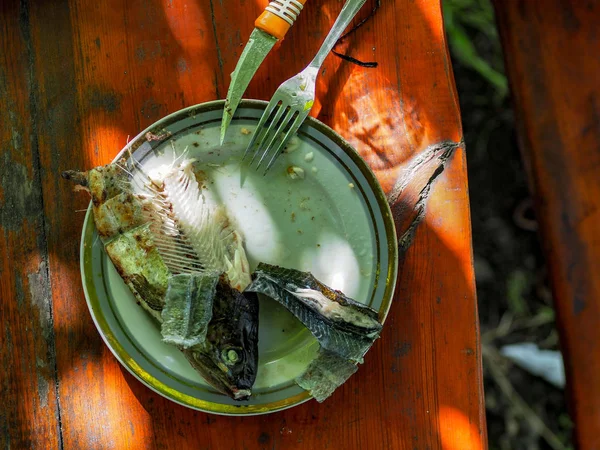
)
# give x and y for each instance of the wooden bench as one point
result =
(78, 77)
(551, 51)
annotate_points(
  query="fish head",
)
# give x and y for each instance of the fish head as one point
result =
(221, 368)
(228, 359)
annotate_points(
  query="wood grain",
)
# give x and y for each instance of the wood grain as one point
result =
(114, 67)
(552, 61)
(29, 414)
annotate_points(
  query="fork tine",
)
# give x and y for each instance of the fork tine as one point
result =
(284, 123)
(260, 128)
(270, 132)
(290, 133)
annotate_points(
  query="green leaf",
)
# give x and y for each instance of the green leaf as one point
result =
(516, 287)
(476, 15)
(466, 53)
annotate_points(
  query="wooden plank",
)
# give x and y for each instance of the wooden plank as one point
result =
(552, 61)
(92, 97)
(29, 414)
(115, 67)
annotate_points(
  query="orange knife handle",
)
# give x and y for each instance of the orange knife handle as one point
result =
(279, 16)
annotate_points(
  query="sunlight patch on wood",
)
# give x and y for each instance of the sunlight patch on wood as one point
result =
(456, 431)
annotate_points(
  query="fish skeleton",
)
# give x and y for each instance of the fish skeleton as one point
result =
(218, 245)
(163, 270)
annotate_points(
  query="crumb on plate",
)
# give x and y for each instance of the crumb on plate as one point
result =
(292, 145)
(295, 172)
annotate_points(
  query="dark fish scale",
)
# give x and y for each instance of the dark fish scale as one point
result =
(344, 343)
(292, 280)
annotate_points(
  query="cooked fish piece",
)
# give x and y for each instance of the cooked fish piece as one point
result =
(340, 324)
(225, 352)
(138, 262)
(195, 237)
(114, 206)
(188, 309)
(325, 374)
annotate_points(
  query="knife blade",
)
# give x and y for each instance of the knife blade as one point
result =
(270, 27)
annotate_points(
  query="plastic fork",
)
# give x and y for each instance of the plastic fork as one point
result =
(293, 100)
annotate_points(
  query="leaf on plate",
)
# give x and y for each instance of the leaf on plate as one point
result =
(325, 374)
(188, 308)
(340, 324)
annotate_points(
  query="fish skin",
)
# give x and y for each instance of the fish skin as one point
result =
(345, 339)
(295, 279)
(234, 323)
(325, 374)
(344, 328)
(188, 308)
(105, 182)
(118, 214)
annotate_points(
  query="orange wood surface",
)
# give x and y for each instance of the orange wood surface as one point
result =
(552, 50)
(29, 411)
(77, 77)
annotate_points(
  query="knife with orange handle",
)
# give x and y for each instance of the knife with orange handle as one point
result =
(271, 26)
